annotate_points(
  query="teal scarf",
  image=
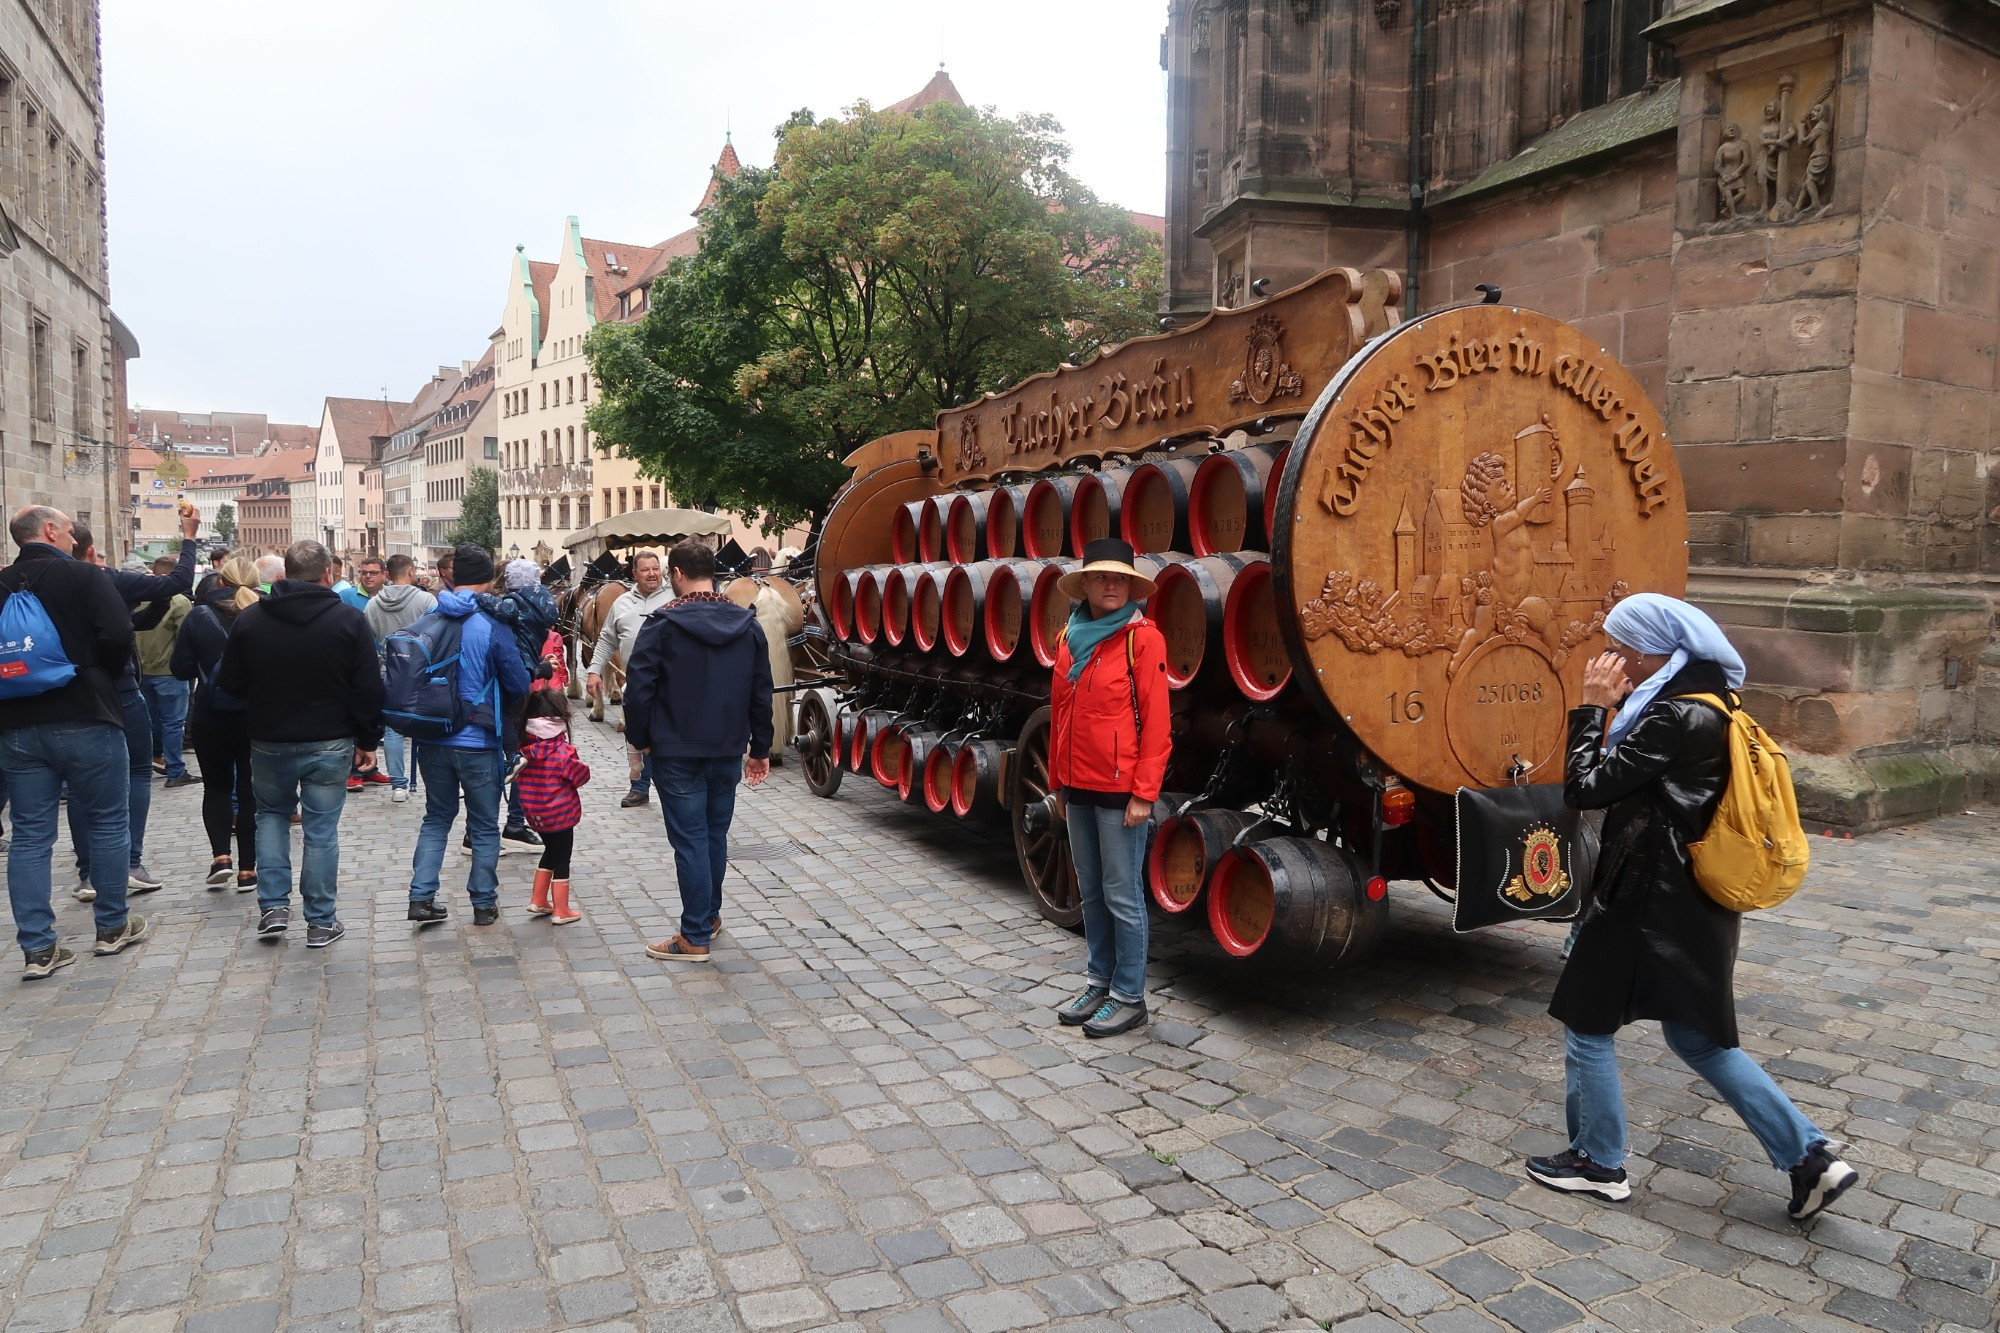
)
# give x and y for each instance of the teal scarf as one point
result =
(1085, 633)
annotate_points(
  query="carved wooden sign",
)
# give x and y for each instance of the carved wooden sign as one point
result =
(1232, 368)
(1466, 502)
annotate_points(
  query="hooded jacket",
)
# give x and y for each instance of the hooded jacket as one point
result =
(549, 781)
(1097, 746)
(95, 627)
(491, 676)
(198, 652)
(529, 614)
(698, 683)
(304, 664)
(397, 606)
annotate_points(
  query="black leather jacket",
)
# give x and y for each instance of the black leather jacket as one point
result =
(1653, 945)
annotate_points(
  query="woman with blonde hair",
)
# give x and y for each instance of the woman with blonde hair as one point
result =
(218, 726)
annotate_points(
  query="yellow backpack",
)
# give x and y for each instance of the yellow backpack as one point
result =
(1755, 854)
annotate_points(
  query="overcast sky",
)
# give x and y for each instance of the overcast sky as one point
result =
(322, 199)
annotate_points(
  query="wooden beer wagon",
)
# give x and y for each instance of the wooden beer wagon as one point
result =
(1384, 552)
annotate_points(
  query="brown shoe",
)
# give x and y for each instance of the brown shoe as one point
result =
(678, 950)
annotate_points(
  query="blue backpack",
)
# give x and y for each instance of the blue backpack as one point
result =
(420, 679)
(32, 658)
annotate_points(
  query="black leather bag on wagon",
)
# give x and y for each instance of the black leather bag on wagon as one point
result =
(1523, 855)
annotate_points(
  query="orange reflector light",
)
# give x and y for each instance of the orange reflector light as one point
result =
(1378, 888)
(1399, 806)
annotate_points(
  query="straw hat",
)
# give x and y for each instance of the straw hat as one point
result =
(1106, 555)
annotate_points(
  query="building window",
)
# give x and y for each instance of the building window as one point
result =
(562, 512)
(656, 497)
(621, 499)
(80, 377)
(583, 511)
(1617, 58)
(607, 501)
(44, 388)
(545, 513)
(572, 389)
(572, 444)
(586, 388)
(492, 446)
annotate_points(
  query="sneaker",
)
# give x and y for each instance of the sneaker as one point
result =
(318, 937)
(1574, 1173)
(1087, 1002)
(485, 916)
(678, 950)
(377, 777)
(274, 920)
(83, 893)
(399, 795)
(354, 782)
(141, 880)
(514, 769)
(427, 911)
(184, 780)
(246, 881)
(119, 940)
(1113, 1017)
(522, 834)
(632, 798)
(41, 964)
(219, 873)
(159, 763)
(1818, 1181)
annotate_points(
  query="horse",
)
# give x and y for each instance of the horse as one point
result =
(591, 608)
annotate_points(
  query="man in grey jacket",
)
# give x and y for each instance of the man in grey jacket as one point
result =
(614, 644)
(397, 605)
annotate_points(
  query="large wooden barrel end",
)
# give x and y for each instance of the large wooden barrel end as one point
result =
(1294, 900)
(1252, 643)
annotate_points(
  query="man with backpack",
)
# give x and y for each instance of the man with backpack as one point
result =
(399, 605)
(453, 678)
(65, 639)
(303, 663)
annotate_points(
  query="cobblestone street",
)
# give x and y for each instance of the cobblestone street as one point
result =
(863, 1116)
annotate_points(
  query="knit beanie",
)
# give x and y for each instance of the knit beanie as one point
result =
(471, 564)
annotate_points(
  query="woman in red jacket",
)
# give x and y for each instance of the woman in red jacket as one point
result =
(1108, 744)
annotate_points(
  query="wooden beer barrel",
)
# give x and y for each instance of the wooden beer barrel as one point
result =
(888, 752)
(1154, 514)
(1252, 644)
(1187, 606)
(975, 777)
(1003, 521)
(1184, 849)
(868, 604)
(965, 526)
(903, 525)
(898, 588)
(917, 745)
(840, 603)
(1226, 500)
(1271, 492)
(1045, 517)
(861, 734)
(937, 776)
(1048, 611)
(927, 606)
(1294, 900)
(1008, 587)
(1094, 509)
(930, 528)
(966, 588)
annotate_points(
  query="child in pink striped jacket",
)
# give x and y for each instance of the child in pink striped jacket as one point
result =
(550, 775)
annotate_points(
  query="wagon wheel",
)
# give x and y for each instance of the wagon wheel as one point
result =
(1040, 839)
(816, 745)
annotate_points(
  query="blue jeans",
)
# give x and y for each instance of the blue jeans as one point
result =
(645, 778)
(1109, 858)
(167, 698)
(396, 748)
(698, 799)
(88, 757)
(311, 777)
(1594, 1102)
(446, 771)
(515, 819)
(139, 785)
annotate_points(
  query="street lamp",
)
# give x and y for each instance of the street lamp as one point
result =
(514, 551)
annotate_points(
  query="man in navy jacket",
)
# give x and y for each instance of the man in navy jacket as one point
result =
(697, 695)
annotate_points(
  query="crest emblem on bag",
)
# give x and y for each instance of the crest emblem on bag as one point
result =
(1542, 875)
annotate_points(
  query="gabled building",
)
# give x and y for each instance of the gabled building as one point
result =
(264, 510)
(395, 486)
(463, 434)
(352, 434)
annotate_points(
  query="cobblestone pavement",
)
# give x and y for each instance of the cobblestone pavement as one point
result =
(862, 1117)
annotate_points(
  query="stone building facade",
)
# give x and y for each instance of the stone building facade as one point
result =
(62, 426)
(352, 435)
(463, 434)
(1782, 215)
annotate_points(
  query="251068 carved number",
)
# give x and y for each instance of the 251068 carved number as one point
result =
(1410, 709)
(1511, 693)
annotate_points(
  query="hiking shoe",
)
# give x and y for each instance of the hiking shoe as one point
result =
(83, 893)
(427, 911)
(678, 950)
(318, 937)
(1113, 1017)
(246, 881)
(632, 798)
(1818, 1181)
(141, 880)
(39, 965)
(522, 834)
(485, 916)
(219, 874)
(1573, 1172)
(1087, 1002)
(184, 780)
(399, 795)
(274, 920)
(119, 940)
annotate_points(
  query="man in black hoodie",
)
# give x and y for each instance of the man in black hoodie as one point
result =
(72, 734)
(304, 664)
(697, 695)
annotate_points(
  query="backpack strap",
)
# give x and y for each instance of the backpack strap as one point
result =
(1132, 680)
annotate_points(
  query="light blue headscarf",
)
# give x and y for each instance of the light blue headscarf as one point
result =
(1654, 623)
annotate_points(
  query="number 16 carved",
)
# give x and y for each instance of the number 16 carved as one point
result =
(1411, 709)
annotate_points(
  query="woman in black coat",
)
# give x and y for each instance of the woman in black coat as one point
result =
(1652, 945)
(218, 726)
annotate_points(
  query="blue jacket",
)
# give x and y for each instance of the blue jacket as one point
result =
(491, 675)
(698, 682)
(528, 614)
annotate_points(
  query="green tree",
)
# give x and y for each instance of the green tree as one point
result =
(225, 521)
(478, 511)
(886, 266)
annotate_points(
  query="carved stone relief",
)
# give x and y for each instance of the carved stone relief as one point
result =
(1784, 172)
(1204, 14)
(1386, 12)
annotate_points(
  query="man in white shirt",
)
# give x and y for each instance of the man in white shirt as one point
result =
(614, 643)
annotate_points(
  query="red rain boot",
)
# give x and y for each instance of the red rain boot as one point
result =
(564, 913)
(538, 904)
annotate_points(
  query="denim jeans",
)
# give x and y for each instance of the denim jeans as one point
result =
(167, 698)
(139, 785)
(396, 750)
(311, 777)
(1594, 1100)
(88, 757)
(1109, 860)
(698, 799)
(448, 770)
(515, 818)
(645, 778)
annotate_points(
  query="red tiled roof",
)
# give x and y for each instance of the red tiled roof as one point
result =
(541, 275)
(607, 282)
(939, 89)
(726, 167)
(1152, 222)
(359, 422)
